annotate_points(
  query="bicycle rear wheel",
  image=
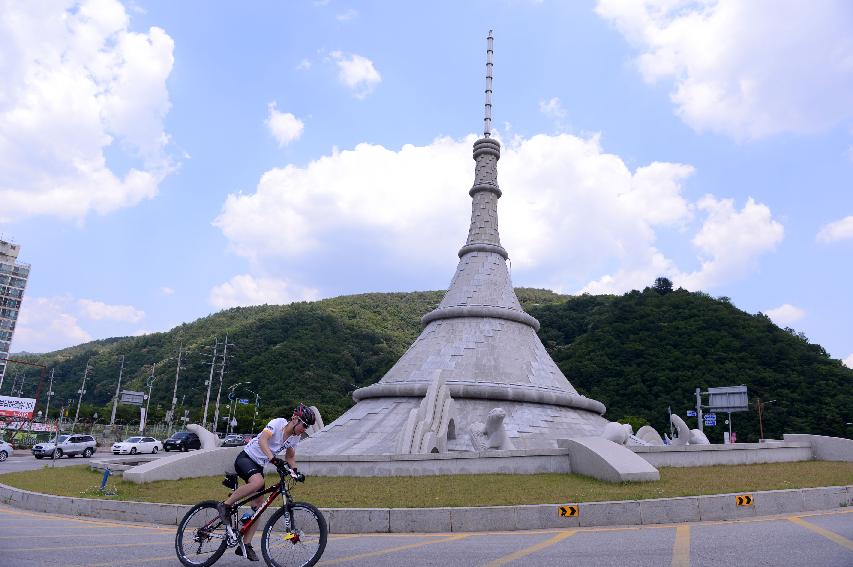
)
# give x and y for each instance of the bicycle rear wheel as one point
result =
(200, 540)
(295, 541)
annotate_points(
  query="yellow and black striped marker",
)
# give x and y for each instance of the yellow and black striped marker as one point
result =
(744, 499)
(569, 510)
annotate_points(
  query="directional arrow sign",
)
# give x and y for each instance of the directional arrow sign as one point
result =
(744, 499)
(568, 510)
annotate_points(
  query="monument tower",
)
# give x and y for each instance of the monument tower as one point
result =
(478, 377)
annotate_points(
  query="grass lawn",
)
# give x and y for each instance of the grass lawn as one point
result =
(462, 490)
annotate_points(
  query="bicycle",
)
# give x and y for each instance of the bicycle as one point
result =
(295, 535)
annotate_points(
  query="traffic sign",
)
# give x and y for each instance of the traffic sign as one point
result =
(744, 499)
(710, 420)
(691, 413)
(569, 510)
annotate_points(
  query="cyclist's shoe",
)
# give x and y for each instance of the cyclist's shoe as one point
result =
(250, 553)
(224, 513)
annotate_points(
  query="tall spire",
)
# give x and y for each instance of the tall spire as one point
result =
(487, 122)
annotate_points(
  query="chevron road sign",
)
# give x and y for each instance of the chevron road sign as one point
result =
(569, 510)
(744, 499)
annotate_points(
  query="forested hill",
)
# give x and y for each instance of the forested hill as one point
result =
(638, 353)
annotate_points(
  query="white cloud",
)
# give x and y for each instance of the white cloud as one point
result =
(304, 65)
(100, 311)
(167, 290)
(730, 241)
(570, 213)
(75, 82)
(848, 362)
(284, 126)
(785, 315)
(248, 290)
(745, 69)
(838, 230)
(45, 324)
(346, 15)
(356, 72)
(552, 108)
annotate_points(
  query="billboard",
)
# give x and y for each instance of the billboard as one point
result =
(17, 407)
(728, 399)
(131, 398)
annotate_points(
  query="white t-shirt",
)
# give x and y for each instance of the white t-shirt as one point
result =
(276, 443)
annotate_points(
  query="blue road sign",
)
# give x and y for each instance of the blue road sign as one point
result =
(691, 413)
(711, 420)
(243, 401)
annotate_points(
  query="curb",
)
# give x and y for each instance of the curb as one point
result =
(486, 518)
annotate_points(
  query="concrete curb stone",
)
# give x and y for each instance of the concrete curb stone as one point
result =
(475, 519)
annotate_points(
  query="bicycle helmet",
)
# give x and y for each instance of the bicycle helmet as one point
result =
(305, 415)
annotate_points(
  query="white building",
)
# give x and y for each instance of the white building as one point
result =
(13, 281)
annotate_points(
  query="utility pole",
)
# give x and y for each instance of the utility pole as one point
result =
(150, 385)
(81, 392)
(221, 378)
(49, 394)
(171, 419)
(209, 383)
(118, 393)
(699, 407)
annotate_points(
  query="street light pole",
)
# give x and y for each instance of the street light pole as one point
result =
(760, 406)
(257, 400)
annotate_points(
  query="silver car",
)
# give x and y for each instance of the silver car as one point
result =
(5, 450)
(75, 444)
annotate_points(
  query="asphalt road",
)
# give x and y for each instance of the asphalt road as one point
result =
(24, 461)
(816, 539)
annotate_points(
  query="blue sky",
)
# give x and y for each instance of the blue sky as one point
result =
(160, 161)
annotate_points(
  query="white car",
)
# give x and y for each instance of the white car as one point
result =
(5, 450)
(134, 445)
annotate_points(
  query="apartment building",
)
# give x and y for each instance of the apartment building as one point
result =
(13, 281)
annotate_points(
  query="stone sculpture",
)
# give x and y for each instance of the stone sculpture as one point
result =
(208, 440)
(617, 432)
(426, 430)
(490, 435)
(687, 436)
(650, 435)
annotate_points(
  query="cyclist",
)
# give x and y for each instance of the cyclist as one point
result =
(279, 434)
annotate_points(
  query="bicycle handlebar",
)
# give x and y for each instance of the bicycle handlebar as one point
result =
(284, 470)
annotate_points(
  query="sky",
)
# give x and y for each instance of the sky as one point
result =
(161, 161)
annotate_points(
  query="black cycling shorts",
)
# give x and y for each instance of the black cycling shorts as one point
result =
(246, 467)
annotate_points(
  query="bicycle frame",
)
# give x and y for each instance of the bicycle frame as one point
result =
(275, 490)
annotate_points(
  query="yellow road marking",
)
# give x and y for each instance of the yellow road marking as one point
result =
(532, 549)
(64, 547)
(172, 557)
(681, 547)
(392, 550)
(840, 540)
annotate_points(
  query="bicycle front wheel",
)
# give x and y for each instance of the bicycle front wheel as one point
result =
(297, 539)
(200, 540)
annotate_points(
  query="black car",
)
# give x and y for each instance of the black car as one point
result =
(182, 441)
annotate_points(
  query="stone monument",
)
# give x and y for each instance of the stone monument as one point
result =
(478, 377)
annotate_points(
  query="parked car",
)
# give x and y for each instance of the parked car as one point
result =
(247, 437)
(70, 445)
(234, 441)
(182, 441)
(5, 450)
(134, 445)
